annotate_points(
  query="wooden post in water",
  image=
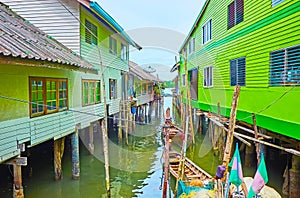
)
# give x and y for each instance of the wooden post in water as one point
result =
(18, 188)
(126, 112)
(59, 146)
(120, 124)
(104, 128)
(91, 139)
(256, 137)
(231, 127)
(166, 165)
(75, 154)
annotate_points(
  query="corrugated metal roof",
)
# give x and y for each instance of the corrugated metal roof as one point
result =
(19, 38)
(138, 72)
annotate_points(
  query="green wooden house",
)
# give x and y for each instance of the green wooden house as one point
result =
(88, 30)
(39, 79)
(252, 44)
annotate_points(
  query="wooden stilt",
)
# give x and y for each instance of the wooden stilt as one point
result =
(126, 120)
(75, 155)
(91, 139)
(256, 137)
(120, 125)
(59, 146)
(17, 187)
(106, 157)
(166, 166)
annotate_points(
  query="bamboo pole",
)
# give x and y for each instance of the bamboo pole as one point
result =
(166, 165)
(256, 137)
(104, 129)
(231, 126)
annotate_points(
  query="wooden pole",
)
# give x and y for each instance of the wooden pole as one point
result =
(231, 127)
(120, 124)
(59, 146)
(104, 128)
(166, 165)
(18, 188)
(127, 111)
(256, 137)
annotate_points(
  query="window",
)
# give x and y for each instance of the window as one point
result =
(91, 33)
(150, 88)
(276, 2)
(208, 77)
(112, 45)
(206, 32)
(47, 95)
(184, 52)
(183, 79)
(235, 13)
(90, 92)
(193, 76)
(191, 45)
(285, 67)
(238, 72)
(113, 89)
(124, 52)
(144, 88)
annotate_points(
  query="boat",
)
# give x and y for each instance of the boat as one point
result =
(172, 130)
(192, 172)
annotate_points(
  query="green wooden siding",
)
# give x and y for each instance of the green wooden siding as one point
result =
(264, 29)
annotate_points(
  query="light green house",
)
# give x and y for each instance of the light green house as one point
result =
(88, 30)
(39, 78)
(252, 44)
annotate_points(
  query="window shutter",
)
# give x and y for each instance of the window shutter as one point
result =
(233, 72)
(231, 15)
(277, 74)
(87, 32)
(239, 11)
(293, 64)
(241, 71)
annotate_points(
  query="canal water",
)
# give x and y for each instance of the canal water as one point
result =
(135, 170)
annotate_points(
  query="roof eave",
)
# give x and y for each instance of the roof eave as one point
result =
(195, 25)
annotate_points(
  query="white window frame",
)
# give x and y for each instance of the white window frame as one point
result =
(124, 52)
(206, 32)
(192, 45)
(208, 76)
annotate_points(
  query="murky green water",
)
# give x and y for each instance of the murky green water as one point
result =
(135, 170)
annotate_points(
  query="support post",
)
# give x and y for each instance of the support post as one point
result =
(91, 139)
(256, 137)
(17, 187)
(75, 155)
(120, 124)
(59, 146)
(106, 157)
(126, 112)
(166, 165)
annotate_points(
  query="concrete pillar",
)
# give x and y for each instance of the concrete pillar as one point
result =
(75, 155)
(91, 139)
(59, 146)
(17, 187)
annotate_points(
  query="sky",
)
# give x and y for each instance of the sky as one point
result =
(159, 26)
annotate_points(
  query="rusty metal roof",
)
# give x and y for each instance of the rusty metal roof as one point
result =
(20, 39)
(138, 72)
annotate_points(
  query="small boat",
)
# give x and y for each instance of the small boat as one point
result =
(172, 130)
(191, 170)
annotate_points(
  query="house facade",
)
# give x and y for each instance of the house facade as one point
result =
(41, 80)
(92, 33)
(253, 45)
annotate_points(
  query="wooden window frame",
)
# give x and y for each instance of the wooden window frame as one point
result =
(94, 94)
(208, 77)
(46, 111)
(113, 94)
(113, 45)
(91, 33)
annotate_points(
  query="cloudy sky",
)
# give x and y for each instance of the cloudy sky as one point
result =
(159, 26)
